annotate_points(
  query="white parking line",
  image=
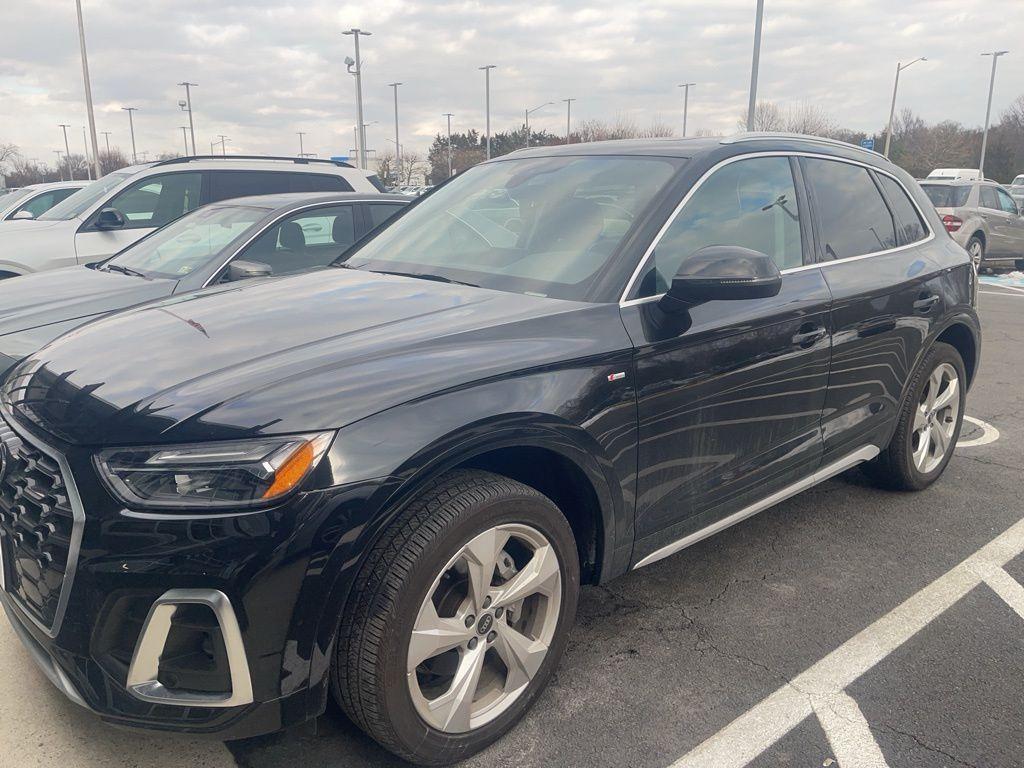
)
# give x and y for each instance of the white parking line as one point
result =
(848, 732)
(989, 434)
(1007, 587)
(759, 728)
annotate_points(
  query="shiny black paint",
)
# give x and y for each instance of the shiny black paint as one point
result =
(719, 406)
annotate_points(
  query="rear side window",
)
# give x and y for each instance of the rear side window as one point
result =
(157, 200)
(229, 184)
(909, 227)
(947, 195)
(750, 203)
(853, 217)
(381, 212)
(317, 182)
(988, 198)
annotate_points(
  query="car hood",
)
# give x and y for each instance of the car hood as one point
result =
(59, 295)
(12, 226)
(294, 354)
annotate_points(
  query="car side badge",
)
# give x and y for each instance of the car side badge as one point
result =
(616, 376)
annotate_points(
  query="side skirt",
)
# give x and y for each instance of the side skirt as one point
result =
(863, 454)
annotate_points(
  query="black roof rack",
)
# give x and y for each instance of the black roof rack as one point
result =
(296, 160)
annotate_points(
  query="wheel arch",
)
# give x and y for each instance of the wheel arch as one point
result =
(962, 338)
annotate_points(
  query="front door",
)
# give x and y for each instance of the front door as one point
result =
(730, 393)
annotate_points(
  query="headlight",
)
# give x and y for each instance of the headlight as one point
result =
(242, 473)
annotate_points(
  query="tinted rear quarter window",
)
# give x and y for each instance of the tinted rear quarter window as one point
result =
(987, 198)
(909, 225)
(381, 212)
(318, 182)
(852, 215)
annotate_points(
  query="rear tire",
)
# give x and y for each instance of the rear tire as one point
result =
(441, 602)
(929, 424)
(976, 250)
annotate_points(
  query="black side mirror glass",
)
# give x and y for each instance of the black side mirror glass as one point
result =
(244, 270)
(723, 273)
(110, 218)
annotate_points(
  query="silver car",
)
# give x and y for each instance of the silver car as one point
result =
(1016, 190)
(982, 217)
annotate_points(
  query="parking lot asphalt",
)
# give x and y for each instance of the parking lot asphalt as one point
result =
(841, 627)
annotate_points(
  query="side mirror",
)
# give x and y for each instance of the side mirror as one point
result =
(110, 218)
(23, 215)
(244, 270)
(722, 273)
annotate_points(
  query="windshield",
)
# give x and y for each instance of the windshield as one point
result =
(947, 195)
(188, 243)
(83, 199)
(543, 226)
(9, 198)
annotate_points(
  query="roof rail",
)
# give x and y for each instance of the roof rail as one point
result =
(296, 160)
(770, 135)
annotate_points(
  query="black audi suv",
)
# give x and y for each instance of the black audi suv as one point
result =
(387, 482)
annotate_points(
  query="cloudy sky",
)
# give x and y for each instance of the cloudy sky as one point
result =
(267, 69)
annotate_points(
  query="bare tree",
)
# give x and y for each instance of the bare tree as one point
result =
(386, 167)
(413, 167)
(112, 160)
(767, 117)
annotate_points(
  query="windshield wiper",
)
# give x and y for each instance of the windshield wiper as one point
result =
(424, 276)
(125, 271)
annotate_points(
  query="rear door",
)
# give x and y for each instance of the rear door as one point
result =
(886, 290)
(145, 205)
(1013, 223)
(730, 393)
(1000, 240)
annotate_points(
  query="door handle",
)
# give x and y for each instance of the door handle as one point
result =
(809, 334)
(925, 303)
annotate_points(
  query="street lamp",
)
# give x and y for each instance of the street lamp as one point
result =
(300, 134)
(449, 115)
(186, 106)
(88, 163)
(88, 93)
(398, 150)
(892, 108)
(686, 103)
(67, 151)
(755, 63)
(530, 112)
(988, 109)
(106, 135)
(60, 163)
(184, 137)
(131, 127)
(568, 119)
(487, 102)
(355, 68)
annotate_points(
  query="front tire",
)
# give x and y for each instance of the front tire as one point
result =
(929, 424)
(458, 617)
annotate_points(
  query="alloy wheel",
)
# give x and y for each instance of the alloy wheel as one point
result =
(484, 628)
(935, 418)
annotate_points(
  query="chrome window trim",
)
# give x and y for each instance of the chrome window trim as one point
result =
(283, 216)
(625, 302)
(77, 527)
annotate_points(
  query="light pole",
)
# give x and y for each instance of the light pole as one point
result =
(67, 151)
(184, 137)
(223, 142)
(449, 115)
(106, 135)
(988, 109)
(88, 93)
(88, 163)
(60, 163)
(301, 152)
(686, 103)
(530, 112)
(755, 63)
(358, 72)
(568, 119)
(487, 102)
(398, 150)
(892, 107)
(131, 127)
(188, 108)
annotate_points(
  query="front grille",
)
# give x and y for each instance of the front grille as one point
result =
(37, 528)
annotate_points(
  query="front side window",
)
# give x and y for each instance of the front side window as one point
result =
(853, 216)
(750, 203)
(86, 197)
(1006, 202)
(567, 218)
(911, 228)
(304, 240)
(190, 242)
(157, 200)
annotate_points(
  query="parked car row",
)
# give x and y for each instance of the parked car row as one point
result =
(386, 479)
(982, 217)
(31, 201)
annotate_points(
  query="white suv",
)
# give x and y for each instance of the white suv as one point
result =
(124, 206)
